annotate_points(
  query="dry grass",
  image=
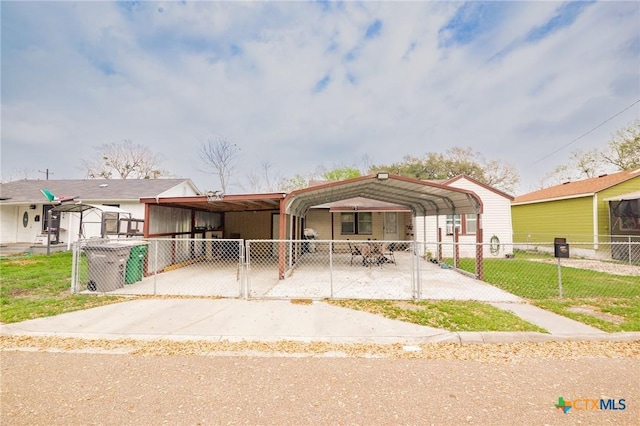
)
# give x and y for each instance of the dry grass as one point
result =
(499, 352)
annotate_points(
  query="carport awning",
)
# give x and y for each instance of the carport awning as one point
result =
(81, 207)
(423, 198)
(223, 203)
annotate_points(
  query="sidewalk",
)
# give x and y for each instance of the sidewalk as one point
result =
(276, 320)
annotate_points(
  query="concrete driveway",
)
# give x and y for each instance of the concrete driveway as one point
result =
(227, 319)
(277, 320)
(314, 278)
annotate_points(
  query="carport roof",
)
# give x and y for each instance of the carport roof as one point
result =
(422, 197)
(225, 203)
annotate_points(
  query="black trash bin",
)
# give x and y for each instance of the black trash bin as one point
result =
(106, 266)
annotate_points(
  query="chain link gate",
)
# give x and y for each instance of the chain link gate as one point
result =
(329, 269)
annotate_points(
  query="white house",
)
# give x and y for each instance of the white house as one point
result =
(113, 207)
(496, 223)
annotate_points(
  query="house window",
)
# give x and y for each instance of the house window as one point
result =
(453, 221)
(364, 223)
(348, 222)
(471, 222)
(356, 223)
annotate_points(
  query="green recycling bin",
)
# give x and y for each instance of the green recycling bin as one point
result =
(135, 264)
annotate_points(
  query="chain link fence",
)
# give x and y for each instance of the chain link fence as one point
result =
(605, 247)
(319, 269)
(176, 266)
(533, 272)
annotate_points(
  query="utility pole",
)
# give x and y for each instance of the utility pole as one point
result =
(46, 173)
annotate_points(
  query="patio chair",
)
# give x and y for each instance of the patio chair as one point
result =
(355, 252)
(387, 253)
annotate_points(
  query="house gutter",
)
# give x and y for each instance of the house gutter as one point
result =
(544, 200)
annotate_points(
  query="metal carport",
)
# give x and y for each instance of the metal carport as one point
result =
(422, 197)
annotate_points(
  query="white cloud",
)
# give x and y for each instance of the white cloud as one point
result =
(169, 75)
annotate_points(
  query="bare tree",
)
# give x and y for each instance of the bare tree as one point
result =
(19, 174)
(263, 180)
(588, 164)
(624, 148)
(221, 156)
(291, 184)
(581, 165)
(623, 154)
(124, 160)
(365, 164)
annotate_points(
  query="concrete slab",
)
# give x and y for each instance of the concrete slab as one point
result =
(553, 323)
(277, 320)
(314, 279)
(228, 319)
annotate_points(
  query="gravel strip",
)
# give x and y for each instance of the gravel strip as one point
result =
(596, 265)
(497, 352)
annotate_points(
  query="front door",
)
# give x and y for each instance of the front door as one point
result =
(27, 226)
(390, 227)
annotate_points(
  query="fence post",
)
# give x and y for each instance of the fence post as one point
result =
(243, 259)
(456, 248)
(479, 255)
(416, 280)
(74, 269)
(418, 277)
(331, 266)
(629, 249)
(155, 268)
(559, 279)
(247, 269)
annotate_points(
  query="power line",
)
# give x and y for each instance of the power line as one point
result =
(586, 133)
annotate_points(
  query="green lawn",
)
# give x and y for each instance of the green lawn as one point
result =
(606, 301)
(452, 315)
(538, 280)
(38, 286)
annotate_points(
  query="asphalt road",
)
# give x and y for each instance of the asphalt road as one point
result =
(46, 388)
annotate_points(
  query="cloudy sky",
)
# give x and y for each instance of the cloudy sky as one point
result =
(300, 85)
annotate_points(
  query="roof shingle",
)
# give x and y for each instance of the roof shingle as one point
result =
(581, 187)
(28, 191)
